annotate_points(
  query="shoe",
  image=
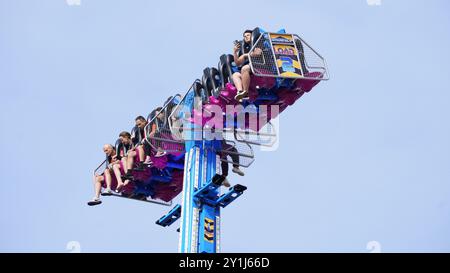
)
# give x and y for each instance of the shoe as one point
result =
(95, 201)
(238, 171)
(148, 160)
(225, 183)
(107, 192)
(241, 96)
(119, 188)
(127, 176)
(140, 167)
(160, 154)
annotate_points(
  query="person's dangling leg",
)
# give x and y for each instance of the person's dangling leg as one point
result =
(97, 189)
(235, 158)
(130, 160)
(224, 165)
(245, 71)
(124, 163)
(108, 180)
(98, 186)
(237, 81)
(118, 174)
(141, 153)
(139, 157)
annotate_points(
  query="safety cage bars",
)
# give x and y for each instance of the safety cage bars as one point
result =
(286, 56)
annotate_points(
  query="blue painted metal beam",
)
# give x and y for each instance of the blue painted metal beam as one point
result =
(234, 192)
(171, 217)
(208, 190)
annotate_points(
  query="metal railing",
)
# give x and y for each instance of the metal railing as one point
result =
(295, 53)
(104, 164)
(267, 138)
(158, 133)
(236, 153)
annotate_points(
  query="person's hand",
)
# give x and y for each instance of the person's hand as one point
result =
(236, 48)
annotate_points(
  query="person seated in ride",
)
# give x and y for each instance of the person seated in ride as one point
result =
(157, 125)
(125, 146)
(105, 177)
(228, 149)
(138, 150)
(241, 77)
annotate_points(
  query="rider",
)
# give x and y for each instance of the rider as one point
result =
(105, 177)
(157, 125)
(230, 150)
(241, 78)
(124, 147)
(138, 150)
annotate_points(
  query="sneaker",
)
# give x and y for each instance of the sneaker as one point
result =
(225, 183)
(241, 95)
(107, 192)
(238, 171)
(95, 201)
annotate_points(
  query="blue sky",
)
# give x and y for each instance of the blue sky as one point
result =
(363, 157)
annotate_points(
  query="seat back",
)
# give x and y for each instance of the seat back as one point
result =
(225, 69)
(211, 81)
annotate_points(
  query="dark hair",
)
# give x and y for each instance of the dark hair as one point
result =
(247, 31)
(125, 134)
(153, 114)
(141, 118)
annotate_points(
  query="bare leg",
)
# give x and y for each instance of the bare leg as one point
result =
(130, 159)
(141, 153)
(124, 163)
(245, 77)
(108, 179)
(126, 182)
(116, 168)
(98, 185)
(237, 80)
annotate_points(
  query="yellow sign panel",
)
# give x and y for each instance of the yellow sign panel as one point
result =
(281, 38)
(287, 60)
(209, 230)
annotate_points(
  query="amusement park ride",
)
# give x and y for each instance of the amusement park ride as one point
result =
(206, 125)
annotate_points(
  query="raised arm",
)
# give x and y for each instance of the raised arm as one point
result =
(239, 60)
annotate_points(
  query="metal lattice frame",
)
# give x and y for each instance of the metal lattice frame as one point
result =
(240, 149)
(264, 64)
(266, 136)
(177, 119)
(162, 139)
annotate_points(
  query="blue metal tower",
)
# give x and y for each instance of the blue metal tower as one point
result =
(201, 200)
(284, 68)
